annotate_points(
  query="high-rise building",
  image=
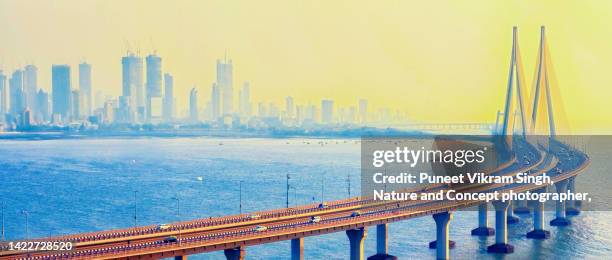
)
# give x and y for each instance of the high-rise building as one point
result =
(327, 111)
(100, 100)
(85, 88)
(154, 82)
(168, 112)
(273, 110)
(30, 85)
(193, 105)
(245, 100)
(289, 107)
(3, 96)
(42, 103)
(261, 110)
(17, 100)
(215, 101)
(75, 104)
(26, 118)
(154, 75)
(363, 111)
(60, 87)
(225, 83)
(133, 90)
(299, 114)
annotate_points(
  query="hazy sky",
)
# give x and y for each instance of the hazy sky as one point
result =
(442, 61)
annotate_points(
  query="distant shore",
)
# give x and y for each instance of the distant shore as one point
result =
(222, 133)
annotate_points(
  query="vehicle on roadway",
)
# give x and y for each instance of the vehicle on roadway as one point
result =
(170, 239)
(323, 205)
(163, 227)
(355, 214)
(315, 219)
(254, 216)
(260, 228)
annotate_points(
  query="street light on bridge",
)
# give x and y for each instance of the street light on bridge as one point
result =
(240, 195)
(2, 234)
(288, 177)
(135, 208)
(26, 214)
(178, 215)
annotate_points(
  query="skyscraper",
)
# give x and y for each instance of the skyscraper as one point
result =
(85, 88)
(75, 104)
(289, 107)
(3, 96)
(30, 85)
(225, 83)
(154, 75)
(327, 111)
(133, 90)
(215, 101)
(42, 103)
(17, 101)
(193, 105)
(363, 111)
(60, 87)
(245, 100)
(168, 112)
(154, 81)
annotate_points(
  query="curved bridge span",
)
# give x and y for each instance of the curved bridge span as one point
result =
(234, 233)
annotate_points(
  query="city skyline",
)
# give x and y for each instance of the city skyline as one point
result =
(146, 103)
(391, 61)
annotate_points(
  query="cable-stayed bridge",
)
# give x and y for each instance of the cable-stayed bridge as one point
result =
(530, 134)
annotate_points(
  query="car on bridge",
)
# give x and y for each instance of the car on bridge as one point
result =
(171, 239)
(254, 216)
(315, 219)
(323, 205)
(260, 228)
(161, 227)
(355, 214)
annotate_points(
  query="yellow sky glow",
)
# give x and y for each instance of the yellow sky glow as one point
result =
(442, 61)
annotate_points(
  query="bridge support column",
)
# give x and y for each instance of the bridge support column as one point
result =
(501, 229)
(538, 231)
(442, 243)
(511, 218)
(382, 244)
(521, 207)
(572, 207)
(180, 257)
(356, 239)
(237, 253)
(483, 228)
(561, 219)
(297, 248)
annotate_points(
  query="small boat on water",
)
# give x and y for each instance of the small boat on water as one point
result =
(200, 178)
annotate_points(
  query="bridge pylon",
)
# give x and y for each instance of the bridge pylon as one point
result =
(542, 113)
(515, 94)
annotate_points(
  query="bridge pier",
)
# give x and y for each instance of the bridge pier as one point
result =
(382, 244)
(297, 248)
(442, 242)
(237, 253)
(538, 231)
(510, 217)
(521, 207)
(483, 228)
(561, 219)
(356, 239)
(180, 257)
(501, 229)
(571, 205)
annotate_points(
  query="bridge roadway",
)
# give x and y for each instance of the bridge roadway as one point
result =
(226, 233)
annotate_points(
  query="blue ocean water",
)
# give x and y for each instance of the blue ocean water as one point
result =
(78, 185)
